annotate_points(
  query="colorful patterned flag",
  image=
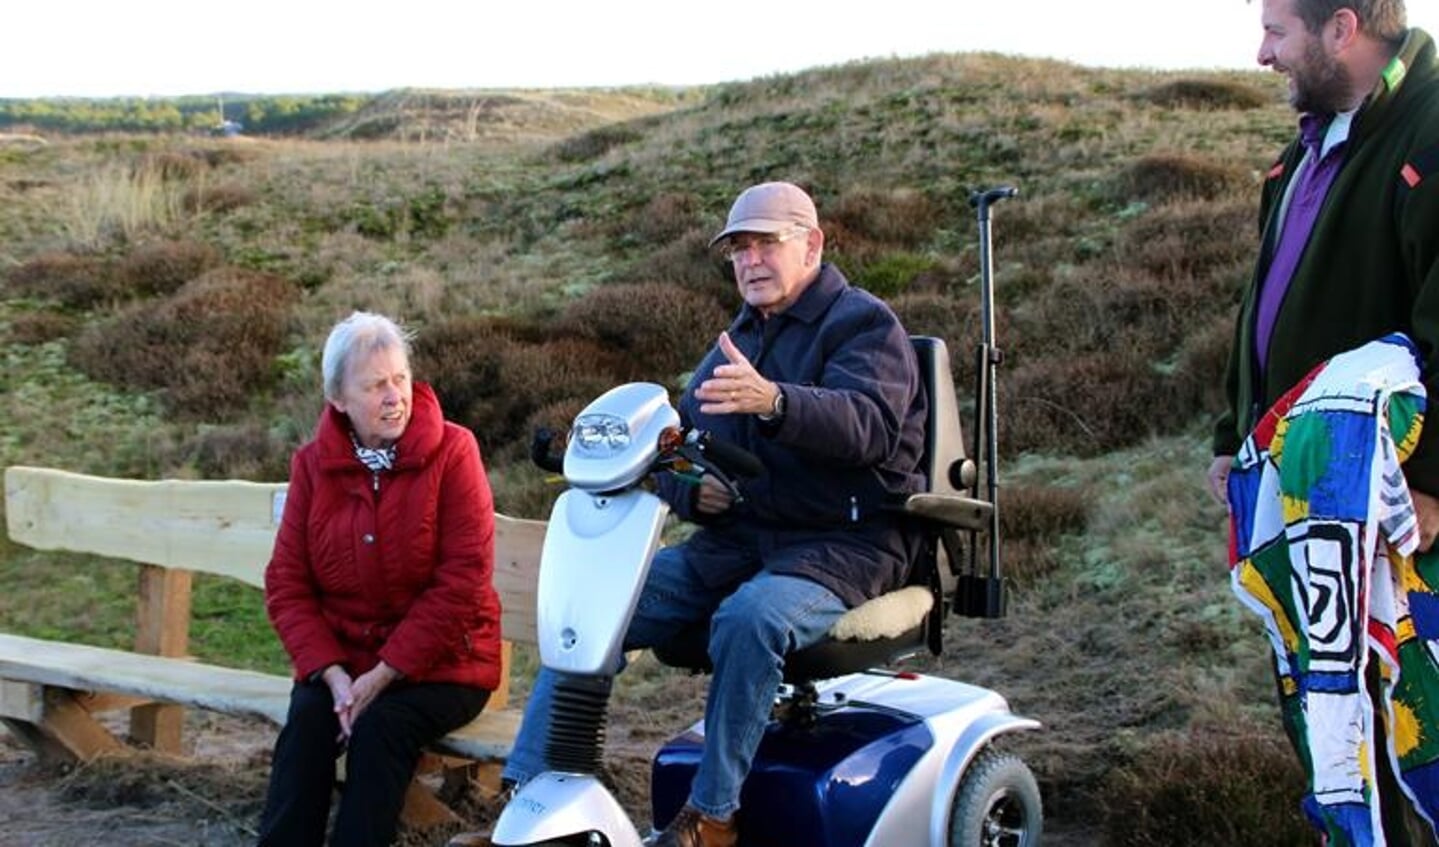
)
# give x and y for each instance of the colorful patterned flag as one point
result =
(1322, 535)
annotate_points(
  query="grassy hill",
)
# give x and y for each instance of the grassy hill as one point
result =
(164, 298)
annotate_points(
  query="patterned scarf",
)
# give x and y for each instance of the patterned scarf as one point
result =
(376, 460)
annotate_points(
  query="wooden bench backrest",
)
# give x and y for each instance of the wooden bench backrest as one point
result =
(218, 527)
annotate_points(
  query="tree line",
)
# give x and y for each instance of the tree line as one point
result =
(258, 115)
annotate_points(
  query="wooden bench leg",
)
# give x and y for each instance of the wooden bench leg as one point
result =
(59, 727)
(162, 629)
(423, 810)
(159, 726)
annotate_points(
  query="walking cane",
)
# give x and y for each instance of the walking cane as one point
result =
(981, 594)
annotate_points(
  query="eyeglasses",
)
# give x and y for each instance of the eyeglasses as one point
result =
(740, 245)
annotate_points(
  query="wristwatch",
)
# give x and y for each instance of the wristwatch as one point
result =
(777, 413)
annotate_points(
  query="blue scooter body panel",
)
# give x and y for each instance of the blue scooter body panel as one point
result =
(821, 786)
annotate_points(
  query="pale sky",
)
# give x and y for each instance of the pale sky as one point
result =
(104, 48)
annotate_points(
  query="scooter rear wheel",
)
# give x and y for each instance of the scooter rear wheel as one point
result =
(997, 804)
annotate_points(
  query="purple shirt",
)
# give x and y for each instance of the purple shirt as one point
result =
(1306, 195)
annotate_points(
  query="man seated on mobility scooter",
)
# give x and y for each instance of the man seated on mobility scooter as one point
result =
(820, 382)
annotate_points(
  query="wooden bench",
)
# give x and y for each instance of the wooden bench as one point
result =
(52, 691)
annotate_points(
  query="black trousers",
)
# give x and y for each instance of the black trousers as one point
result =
(383, 749)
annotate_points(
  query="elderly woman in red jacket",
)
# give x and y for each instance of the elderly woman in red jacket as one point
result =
(380, 589)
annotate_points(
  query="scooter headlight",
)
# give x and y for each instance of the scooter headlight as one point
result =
(601, 433)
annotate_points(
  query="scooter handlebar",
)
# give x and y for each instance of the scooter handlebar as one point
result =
(542, 455)
(728, 457)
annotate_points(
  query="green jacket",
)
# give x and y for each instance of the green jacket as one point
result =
(1372, 262)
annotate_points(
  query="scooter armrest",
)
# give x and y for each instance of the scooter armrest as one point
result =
(951, 510)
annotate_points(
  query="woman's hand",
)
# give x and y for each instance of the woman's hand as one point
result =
(342, 692)
(366, 688)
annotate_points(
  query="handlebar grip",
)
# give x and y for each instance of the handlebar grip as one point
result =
(729, 457)
(540, 453)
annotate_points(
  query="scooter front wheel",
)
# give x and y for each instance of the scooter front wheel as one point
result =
(997, 804)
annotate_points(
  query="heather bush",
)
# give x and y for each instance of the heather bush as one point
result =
(162, 267)
(657, 329)
(1043, 512)
(1206, 789)
(1205, 94)
(1026, 562)
(687, 262)
(665, 217)
(75, 281)
(39, 327)
(590, 145)
(1085, 404)
(208, 348)
(1181, 176)
(1197, 382)
(898, 218)
(492, 376)
(891, 274)
(171, 166)
(536, 376)
(1191, 239)
(461, 358)
(956, 320)
(219, 198)
(240, 451)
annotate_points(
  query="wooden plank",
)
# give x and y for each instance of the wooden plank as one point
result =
(423, 810)
(500, 697)
(224, 527)
(21, 700)
(83, 668)
(517, 573)
(238, 692)
(487, 738)
(221, 527)
(67, 723)
(162, 629)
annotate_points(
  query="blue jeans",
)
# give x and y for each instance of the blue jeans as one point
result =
(752, 627)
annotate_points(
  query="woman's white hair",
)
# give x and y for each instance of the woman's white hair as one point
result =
(359, 334)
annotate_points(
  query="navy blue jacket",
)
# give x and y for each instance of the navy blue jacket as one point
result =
(851, 440)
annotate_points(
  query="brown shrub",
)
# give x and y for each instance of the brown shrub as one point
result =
(245, 451)
(1180, 176)
(1208, 789)
(207, 349)
(161, 268)
(492, 375)
(1042, 512)
(171, 166)
(1193, 239)
(1206, 94)
(75, 281)
(1084, 404)
(666, 217)
(225, 197)
(955, 320)
(224, 154)
(35, 328)
(594, 143)
(687, 262)
(1027, 562)
(895, 218)
(659, 329)
(1105, 306)
(1198, 380)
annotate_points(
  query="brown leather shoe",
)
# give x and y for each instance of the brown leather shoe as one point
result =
(692, 829)
(470, 839)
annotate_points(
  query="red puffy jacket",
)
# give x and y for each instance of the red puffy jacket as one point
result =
(402, 573)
